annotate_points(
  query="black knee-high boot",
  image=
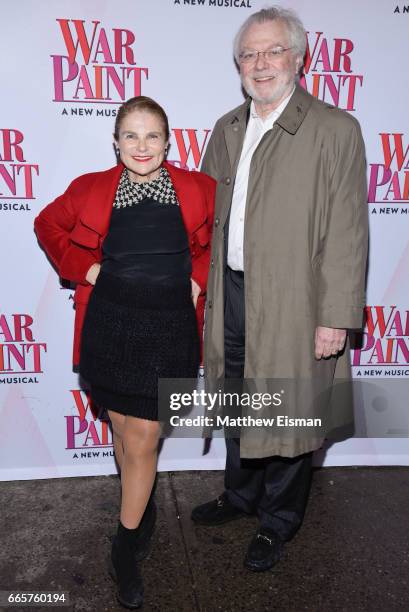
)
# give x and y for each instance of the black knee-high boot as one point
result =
(126, 570)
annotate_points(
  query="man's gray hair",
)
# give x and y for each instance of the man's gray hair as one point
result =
(296, 30)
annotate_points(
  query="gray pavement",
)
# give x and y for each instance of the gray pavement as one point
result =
(352, 553)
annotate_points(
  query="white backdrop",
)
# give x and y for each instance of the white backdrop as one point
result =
(66, 66)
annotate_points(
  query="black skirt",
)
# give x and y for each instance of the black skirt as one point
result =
(134, 334)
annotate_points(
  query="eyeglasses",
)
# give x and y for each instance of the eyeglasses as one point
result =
(250, 56)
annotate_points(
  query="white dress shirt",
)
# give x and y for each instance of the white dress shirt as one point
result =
(256, 128)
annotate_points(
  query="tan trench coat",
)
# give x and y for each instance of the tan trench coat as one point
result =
(305, 249)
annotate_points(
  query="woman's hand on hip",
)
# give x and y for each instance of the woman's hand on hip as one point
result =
(92, 273)
(195, 291)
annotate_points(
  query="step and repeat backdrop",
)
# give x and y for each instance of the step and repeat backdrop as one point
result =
(66, 67)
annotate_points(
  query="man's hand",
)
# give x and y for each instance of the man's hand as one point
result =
(329, 341)
(92, 273)
(195, 291)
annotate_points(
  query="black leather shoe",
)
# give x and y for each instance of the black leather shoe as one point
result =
(216, 512)
(264, 551)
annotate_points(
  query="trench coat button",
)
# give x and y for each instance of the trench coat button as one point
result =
(216, 221)
(235, 129)
(227, 180)
(210, 303)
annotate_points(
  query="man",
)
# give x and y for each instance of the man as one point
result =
(287, 267)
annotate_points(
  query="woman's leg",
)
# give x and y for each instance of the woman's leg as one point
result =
(118, 422)
(140, 439)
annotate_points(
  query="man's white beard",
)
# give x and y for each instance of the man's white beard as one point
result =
(278, 94)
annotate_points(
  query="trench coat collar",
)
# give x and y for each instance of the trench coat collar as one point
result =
(290, 120)
(96, 213)
(296, 110)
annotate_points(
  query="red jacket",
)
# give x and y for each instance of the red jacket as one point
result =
(73, 227)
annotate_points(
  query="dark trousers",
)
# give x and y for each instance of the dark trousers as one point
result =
(276, 488)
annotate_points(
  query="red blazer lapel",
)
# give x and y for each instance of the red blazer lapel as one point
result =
(97, 209)
(192, 204)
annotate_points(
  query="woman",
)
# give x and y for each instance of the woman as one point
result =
(136, 240)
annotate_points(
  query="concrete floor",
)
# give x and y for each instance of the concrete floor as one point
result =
(352, 553)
